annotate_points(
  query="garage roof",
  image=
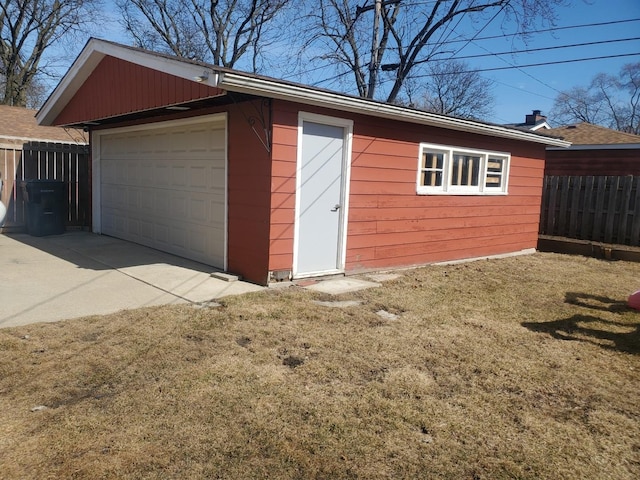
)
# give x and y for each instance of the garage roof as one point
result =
(239, 82)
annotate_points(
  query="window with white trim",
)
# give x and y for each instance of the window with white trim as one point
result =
(461, 171)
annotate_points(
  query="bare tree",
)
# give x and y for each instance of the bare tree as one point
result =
(454, 89)
(390, 40)
(27, 29)
(219, 31)
(577, 105)
(609, 100)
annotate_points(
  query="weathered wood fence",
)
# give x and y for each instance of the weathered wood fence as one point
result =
(600, 209)
(51, 161)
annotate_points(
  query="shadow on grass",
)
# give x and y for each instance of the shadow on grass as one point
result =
(623, 337)
(595, 302)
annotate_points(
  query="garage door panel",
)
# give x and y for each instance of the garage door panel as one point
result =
(133, 199)
(197, 177)
(217, 179)
(179, 176)
(161, 176)
(178, 206)
(166, 188)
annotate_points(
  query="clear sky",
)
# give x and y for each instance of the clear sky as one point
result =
(518, 91)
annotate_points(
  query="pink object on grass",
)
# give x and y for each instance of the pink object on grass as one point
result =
(634, 300)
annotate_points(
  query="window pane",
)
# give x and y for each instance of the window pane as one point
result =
(495, 164)
(465, 170)
(433, 160)
(495, 168)
(494, 181)
(432, 169)
(432, 179)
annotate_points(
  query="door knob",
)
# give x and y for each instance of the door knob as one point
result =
(336, 208)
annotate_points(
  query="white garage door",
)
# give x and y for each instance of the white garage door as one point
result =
(164, 186)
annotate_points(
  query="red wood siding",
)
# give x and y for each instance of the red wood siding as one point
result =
(593, 162)
(249, 200)
(389, 225)
(117, 87)
(283, 185)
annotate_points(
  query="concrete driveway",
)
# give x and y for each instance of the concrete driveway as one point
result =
(45, 279)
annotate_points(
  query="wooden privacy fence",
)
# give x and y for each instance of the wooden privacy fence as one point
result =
(600, 209)
(49, 161)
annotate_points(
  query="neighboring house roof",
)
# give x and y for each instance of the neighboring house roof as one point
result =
(533, 122)
(540, 124)
(583, 135)
(234, 81)
(19, 123)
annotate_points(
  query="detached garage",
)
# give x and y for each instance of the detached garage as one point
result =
(274, 180)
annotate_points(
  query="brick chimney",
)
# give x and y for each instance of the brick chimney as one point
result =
(534, 118)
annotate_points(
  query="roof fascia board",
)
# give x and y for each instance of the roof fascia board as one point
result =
(544, 125)
(94, 52)
(259, 86)
(604, 146)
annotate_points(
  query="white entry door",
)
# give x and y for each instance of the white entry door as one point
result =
(324, 146)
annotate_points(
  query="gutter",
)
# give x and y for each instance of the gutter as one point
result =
(603, 146)
(263, 87)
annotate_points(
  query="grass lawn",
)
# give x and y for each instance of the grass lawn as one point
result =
(526, 367)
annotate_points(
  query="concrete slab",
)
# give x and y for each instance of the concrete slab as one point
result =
(387, 315)
(339, 304)
(46, 279)
(383, 277)
(342, 285)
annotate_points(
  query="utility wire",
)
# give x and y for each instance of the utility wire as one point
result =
(559, 62)
(493, 69)
(475, 39)
(541, 49)
(492, 37)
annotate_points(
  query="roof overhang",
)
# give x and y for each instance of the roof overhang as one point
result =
(607, 146)
(239, 82)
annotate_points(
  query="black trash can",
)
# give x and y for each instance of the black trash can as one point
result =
(46, 206)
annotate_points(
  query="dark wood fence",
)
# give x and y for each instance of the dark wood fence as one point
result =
(600, 209)
(50, 161)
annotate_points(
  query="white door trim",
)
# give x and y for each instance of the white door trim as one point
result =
(96, 135)
(347, 126)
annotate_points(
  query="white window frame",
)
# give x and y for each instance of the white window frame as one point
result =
(447, 187)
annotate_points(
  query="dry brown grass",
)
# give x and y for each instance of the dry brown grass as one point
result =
(525, 367)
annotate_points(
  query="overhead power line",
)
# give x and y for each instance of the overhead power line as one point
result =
(541, 49)
(510, 65)
(555, 29)
(559, 62)
(393, 66)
